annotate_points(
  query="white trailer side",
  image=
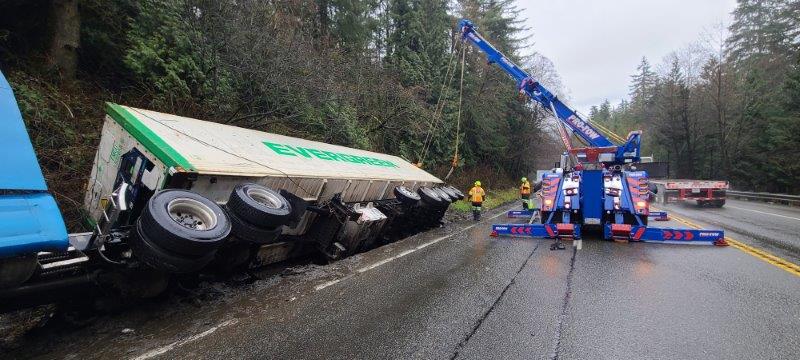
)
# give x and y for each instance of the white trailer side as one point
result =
(215, 157)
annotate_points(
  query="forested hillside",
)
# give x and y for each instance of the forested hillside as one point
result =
(382, 75)
(727, 106)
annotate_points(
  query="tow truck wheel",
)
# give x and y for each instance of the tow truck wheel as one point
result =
(260, 206)
(184, 222)
(148, 252)
(16, 270)
(430, 197)
(537, 186)
(406, 196)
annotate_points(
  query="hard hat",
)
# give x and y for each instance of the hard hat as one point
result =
(524, 179)
(477, 183)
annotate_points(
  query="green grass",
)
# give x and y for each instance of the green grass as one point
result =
(494, 198)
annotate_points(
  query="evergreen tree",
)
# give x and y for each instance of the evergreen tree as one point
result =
(643, 83)
(763, 28)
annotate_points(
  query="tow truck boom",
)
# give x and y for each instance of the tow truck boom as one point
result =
(600, 148)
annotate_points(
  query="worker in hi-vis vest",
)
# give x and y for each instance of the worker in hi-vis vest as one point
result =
(476, 197)
(525, 193)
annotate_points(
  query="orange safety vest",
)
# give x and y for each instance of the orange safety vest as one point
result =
(525, 188)
(476, 194)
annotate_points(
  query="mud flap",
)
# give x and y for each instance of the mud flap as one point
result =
(664, 235)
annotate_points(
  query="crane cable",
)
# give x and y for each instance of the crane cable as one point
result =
(448, 78)
(454, 163)
(438, 115)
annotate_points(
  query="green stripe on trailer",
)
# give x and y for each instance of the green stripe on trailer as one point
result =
(152, 142)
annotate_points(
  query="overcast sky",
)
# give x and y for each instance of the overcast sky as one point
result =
(596, 45)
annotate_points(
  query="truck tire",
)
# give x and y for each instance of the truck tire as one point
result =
(444, 195)
(17, 270)
(254, 234)
(430, 197)
(453, 196)
(458, 193)
(184, 222)
(232, 257)
(260, 206)
(537, 186)
(162, 259)
(406, 196)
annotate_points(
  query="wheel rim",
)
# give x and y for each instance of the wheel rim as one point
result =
(405, 191)
(192, 214)
(432, 193)
(264, 197)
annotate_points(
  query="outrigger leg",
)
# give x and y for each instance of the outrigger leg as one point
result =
(558, 232)
(664, 235)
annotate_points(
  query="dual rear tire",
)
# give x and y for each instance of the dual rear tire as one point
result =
(258, 213)
(180, 231)
(432, 197)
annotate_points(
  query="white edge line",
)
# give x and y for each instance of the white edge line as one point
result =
(418, 247)
(496, 216)
(329, 283)
(164, 349)
(763, 212)
(404, 253)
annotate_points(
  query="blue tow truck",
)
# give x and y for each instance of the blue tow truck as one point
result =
(596, 187)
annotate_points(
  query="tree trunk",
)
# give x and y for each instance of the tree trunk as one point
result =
(322, 13)
(65, 27)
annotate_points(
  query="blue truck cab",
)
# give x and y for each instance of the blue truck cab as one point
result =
(30, 220)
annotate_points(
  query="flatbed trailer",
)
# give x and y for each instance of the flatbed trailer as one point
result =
(704, 192)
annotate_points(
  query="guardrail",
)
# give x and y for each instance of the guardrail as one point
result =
(762, 196)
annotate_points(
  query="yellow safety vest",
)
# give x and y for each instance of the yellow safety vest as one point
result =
(476, 194)
(525, 188)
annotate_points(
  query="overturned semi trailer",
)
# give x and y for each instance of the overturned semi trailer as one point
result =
(175, 195)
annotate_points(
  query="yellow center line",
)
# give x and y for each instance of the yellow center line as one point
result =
(784, 264)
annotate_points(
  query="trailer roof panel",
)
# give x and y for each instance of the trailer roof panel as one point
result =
(213, 148)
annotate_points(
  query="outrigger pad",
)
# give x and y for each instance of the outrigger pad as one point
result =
(525, 214)
(664, 235)
(659, 215)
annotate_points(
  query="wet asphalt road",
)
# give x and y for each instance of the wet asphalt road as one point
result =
(455, 292)
(774, 228)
